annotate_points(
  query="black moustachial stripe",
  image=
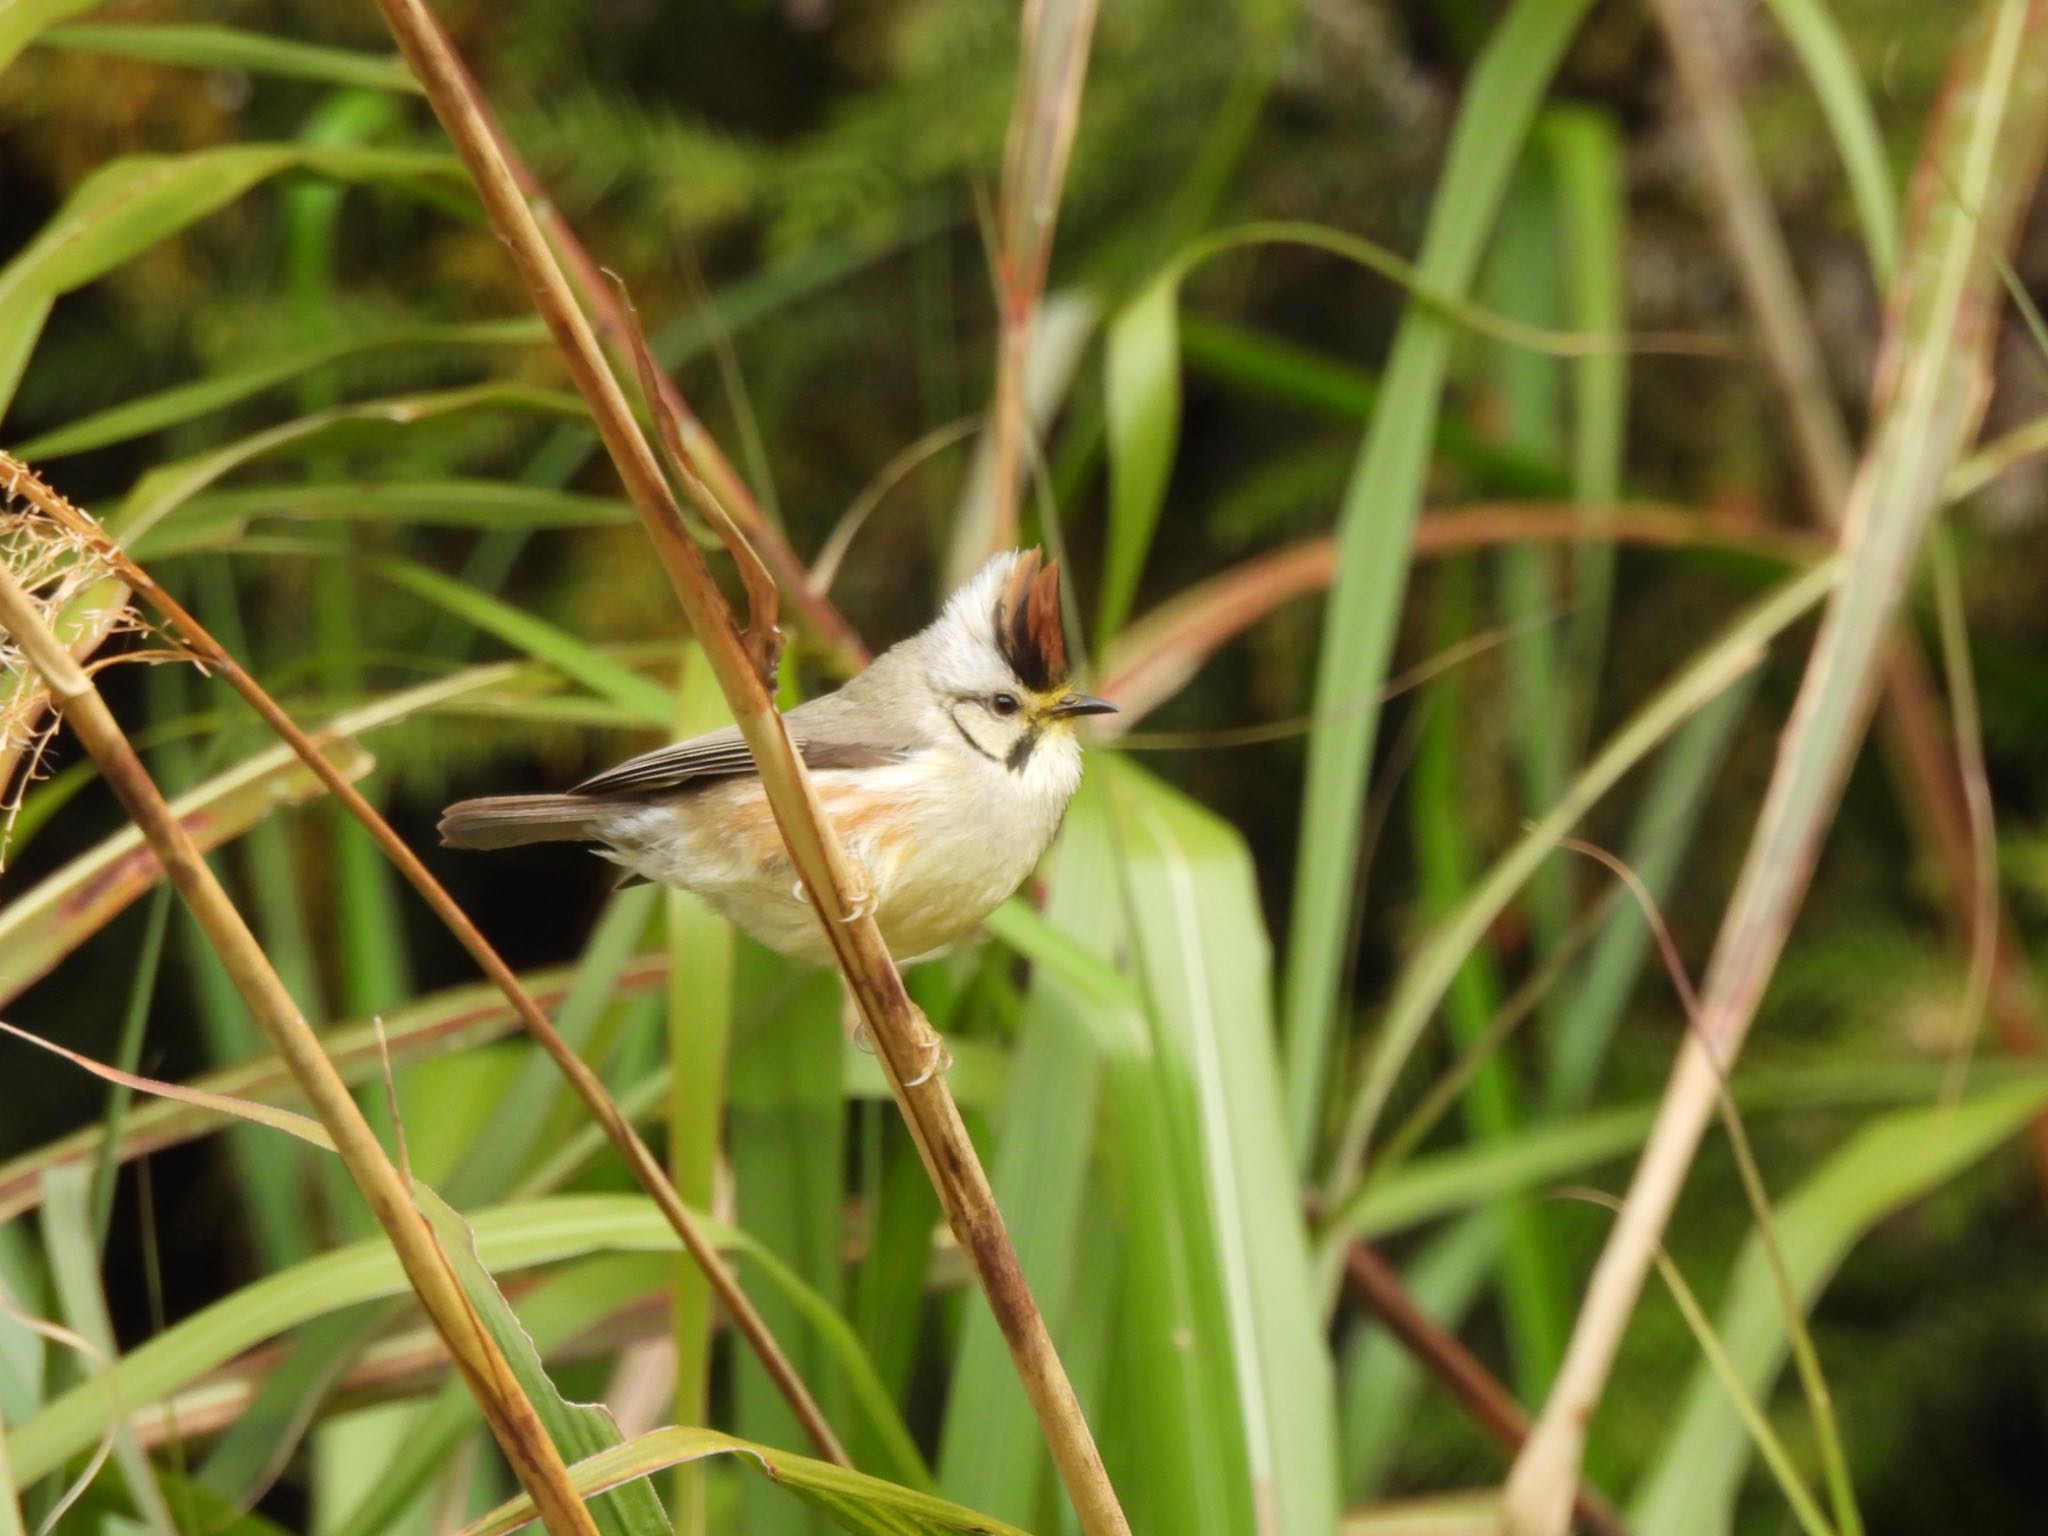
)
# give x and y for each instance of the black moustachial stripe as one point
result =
(984, 751)
(1020, 753)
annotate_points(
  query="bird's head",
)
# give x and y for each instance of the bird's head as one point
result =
(997, 659)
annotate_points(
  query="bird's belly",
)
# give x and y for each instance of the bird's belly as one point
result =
(935, 868)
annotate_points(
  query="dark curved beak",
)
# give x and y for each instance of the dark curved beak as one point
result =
(1074, 705)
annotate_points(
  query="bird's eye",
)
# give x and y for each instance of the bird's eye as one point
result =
(1004, 704)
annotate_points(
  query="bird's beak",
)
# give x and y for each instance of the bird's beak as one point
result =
(1076, 704)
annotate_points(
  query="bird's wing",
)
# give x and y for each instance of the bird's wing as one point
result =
(826, 738)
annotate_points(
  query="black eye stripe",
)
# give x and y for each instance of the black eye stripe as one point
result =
(964, 736)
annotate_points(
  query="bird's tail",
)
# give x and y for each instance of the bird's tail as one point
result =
(508, 821)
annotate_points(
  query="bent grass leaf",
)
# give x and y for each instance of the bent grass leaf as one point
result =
(1831, 69)
(865, 1505)
(521, 1235)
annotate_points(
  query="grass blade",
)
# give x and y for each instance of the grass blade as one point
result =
(1374, 528)
(1195, 924)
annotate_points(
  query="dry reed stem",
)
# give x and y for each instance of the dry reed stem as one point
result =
(905, 1043)
(513, 1422)
(1053, 46)
(1975, 180)
(1915, 737)
(589, 1087)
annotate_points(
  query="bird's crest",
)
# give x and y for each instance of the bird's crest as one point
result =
(1028, 627)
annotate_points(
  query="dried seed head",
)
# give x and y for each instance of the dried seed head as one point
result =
(54, 553)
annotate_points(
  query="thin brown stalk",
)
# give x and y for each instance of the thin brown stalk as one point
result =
(1917, 742)
(646, 1168)
(1053, 50)
(1375, 1285)
(515, 1425)
(905, 1043)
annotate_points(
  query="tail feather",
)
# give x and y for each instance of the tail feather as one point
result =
(509, 821)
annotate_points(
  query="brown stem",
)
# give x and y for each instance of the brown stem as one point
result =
(1053, 45)
(1374, 1284)
(517, 1428)
(646, 1168)
(904, 1042)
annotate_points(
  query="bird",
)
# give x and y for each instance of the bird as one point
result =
(945, 767)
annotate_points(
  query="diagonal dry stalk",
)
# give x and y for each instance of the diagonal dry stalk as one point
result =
(904, 1042)
(512, 1419)
(215, 657)
(1916, 742)
(1972, 188)
(1052, 66)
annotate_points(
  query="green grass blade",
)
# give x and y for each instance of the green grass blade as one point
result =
(73, 1247)
(1584, 153)
(22, 20)
(1196, 928)
(1141, 387)
(1831, 69)
(1374, 530)
(990, 1453)
(1531, 1285)
(202, 47)
(578, 1429)
(535, 637)
(787, 1147)
(167, 487)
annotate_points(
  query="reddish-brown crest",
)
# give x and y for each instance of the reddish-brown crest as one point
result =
(1028, 628)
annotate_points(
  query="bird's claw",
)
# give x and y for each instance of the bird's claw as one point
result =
(937, 1060)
